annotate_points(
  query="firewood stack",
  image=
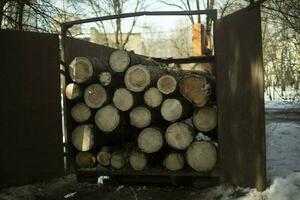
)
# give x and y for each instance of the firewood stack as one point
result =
(134, 113)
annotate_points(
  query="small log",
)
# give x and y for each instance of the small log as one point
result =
(119, 60)
(167, 84)
(105, 78)
(201, 156)
(179, 135)
(80, 112)
(107, 118)
(153, 97)
(140, 117)
(73, 91)
(85, 160)
(175, 109)
(138, 160)
(205, 119)
(95, 96)
(123, 99)
(104, 155)
(83, 137)
(174, 161)
(195, 88)
(150, 140)
(118, 160)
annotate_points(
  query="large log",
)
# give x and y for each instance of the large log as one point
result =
(205, 119)
(150, 140)
(174, 161)
(73, 91)
(174, 109)
(153, 97)
(83, 137)
(85, 160)
(104, 155)
(167, 84)
(140, 117)
(118, 160)
(179, 135)
(201, 156)
(80, 112)
(107, 118)
(138, 160)
(95, 96)
(123, 99)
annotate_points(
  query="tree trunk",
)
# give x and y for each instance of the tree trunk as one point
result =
(107, 118)
(150, 140)
(141, 117)
(179, 135)
(95, 96)
(83, 137)
(138, 160)
(205, 119)
(85, 160)
(118, 160)
(104, 155)
(175, 109)
(174, 161)
(167, 84)
(73, 91)
(153, 97)
(201, 156)
(80, 112)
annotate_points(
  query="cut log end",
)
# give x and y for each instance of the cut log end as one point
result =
(150, 140)
(107, 118)
(138, 160)
(95, 96)
(83, 137)
(174, 161)
(123, 99)
(179, 135)
(171, 110)
(73, 91)
(85, 160)
(205, 119)
(80, 112)
(201, 156)
(103, 156)
(167, 84)
(117, 160)
(119, 60)
(105, 78)
(140, 117)
(137, 78)
(81, 69)
(153, 97)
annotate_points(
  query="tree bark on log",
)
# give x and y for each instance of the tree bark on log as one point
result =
(107, 118)
(179, 135)
(205, 119)
(85, 160)
(104, 155)
(167, 84)
(174, 109)
(153, 97)
(174, 161)
(150, 140)
(83, 137)
(138, 160)
(118, 160)
(201, 156)
(73, 91)
(141, 117)
(95, 96)
(80, 112)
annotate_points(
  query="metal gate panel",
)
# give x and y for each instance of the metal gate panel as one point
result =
(31, 135)
(240, 98)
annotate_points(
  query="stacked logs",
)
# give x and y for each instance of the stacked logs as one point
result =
(130, 111)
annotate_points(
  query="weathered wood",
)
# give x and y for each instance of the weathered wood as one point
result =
(179, 135)
(140, 117)
(95, 96)
(80, 112)
(167, 84)
(153, 97)
(107, 118)
(138, 160)
(104, 155)
(174, 161)
(73, 91)
(85, 160)
(174, 109)
(195, 88)
(83, 137)
(119, 60)
(201, 156)
(150, 140)
(118, 160)
(205, 119)
(123, 99)
(105, 78)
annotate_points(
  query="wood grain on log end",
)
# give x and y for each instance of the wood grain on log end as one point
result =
(179, 135)
(123, 99)
(83, 137)
(81, 69)
(107, 118)
(174, 161)
(117, 160)
(171, 110)
(205, 119)
(105, 78)
(95, 96)
(119, 60)
(201, 156)
(153, 97)
(103, 156)
(167, 84)
(85, 160)
(137, 78)
(150, 140)
(140, 117)
(73, 91)
(138, 160)
(80, 112)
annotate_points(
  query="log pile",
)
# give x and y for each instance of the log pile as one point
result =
(135, 113)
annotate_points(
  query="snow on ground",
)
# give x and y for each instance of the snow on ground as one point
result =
(281, 104)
